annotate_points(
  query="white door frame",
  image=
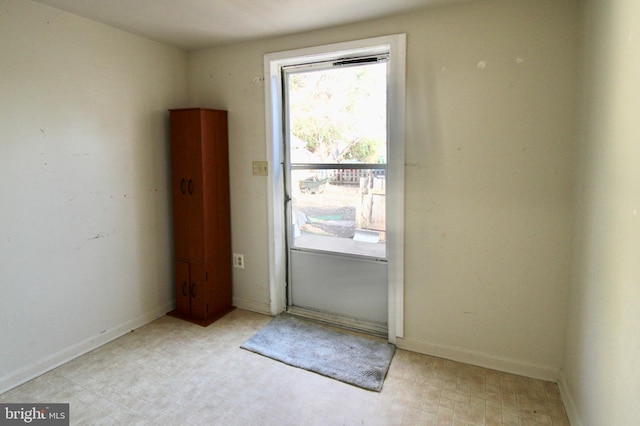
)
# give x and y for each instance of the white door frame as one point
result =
(273, 63)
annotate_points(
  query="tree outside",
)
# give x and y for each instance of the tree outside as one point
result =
(340, 113)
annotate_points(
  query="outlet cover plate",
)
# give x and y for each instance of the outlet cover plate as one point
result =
(238, 260)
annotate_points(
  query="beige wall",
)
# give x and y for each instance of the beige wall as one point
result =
(490, 130)
(85, 214)
(602, 361)
(491, 93)
(84, 219)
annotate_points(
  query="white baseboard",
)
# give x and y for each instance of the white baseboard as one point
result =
(569, 403)
(29, 372)
(252, 305)
(480, 359)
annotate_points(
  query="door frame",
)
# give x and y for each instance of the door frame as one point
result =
(395, 45)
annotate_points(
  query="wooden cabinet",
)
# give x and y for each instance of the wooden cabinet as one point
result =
(201, 214)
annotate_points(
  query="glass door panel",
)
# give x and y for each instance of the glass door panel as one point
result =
(337, 149)
(339, 210)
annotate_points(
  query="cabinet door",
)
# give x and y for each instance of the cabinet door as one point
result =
(182, 288)
(199, 292)
(196, 204)
(180, 172)
(186, 182)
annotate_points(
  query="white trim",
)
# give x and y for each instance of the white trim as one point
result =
(395, 226)
(480, 359)
(273, 62)
(252, 305)
(29, 372)
(275, 185)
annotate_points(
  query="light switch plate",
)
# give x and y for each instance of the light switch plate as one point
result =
(260, 168)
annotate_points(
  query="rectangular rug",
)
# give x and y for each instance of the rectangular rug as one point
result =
(352, 359)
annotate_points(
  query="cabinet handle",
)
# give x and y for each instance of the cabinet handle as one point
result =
(193, 289)
(184, 288)
(182, 186)
(190, 186)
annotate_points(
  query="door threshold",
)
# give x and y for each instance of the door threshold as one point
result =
(376, 329)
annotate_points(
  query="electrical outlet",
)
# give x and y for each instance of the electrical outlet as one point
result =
(238, 261)
(260, 168)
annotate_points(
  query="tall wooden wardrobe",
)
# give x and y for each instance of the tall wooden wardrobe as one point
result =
(201, 214)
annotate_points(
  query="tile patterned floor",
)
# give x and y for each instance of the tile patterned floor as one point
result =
(171, 372)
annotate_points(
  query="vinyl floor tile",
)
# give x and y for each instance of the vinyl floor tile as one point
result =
(171, 372)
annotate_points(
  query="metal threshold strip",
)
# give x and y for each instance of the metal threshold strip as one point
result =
(376, 329)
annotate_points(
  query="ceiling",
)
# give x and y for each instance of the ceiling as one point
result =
(200, 24)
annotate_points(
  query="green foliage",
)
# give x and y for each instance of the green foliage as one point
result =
(340, 114)
(362, 151)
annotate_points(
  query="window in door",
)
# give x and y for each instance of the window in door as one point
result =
(336, 124)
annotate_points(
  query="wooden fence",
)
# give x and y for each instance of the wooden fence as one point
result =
(353, 176)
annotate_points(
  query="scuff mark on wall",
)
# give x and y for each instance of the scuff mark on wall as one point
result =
(416, 165)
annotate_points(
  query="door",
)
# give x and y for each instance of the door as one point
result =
(187, 184)
(183, 287)
(192, 294)
(335, 115)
